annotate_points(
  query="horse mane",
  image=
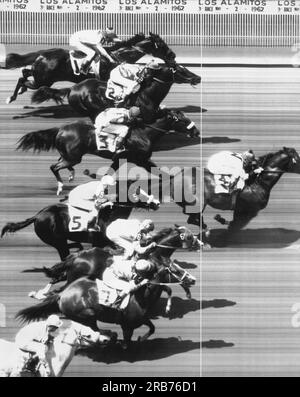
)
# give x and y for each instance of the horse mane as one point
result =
(263, 159)
(162, 234)
(128, 43)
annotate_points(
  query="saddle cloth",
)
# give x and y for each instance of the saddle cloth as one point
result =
(78, 219)
(76, 63)
(108, 295)
(227, 184)
(106, 139)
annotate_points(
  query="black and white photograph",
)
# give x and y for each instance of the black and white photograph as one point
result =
(150, 190)
(100, 203)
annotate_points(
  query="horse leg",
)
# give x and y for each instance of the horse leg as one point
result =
(55, 168)
(127, 335)
(72, 174)
(240, 220)
(149, 333)
(168, 290)
(20, 84)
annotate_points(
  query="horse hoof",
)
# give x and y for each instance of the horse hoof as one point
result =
(32, 294)
(9, 100)
(71, 178)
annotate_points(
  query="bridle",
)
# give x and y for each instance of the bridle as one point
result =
(180, 280)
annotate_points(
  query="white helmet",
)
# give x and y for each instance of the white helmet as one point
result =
(147, 224)
(143, 267)
(54, 321)
(108, 180)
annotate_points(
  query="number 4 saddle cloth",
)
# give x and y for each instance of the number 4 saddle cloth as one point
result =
(109, 296)
(78, 219)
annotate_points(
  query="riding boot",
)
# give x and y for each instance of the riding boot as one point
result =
(119, 147)
(86, 66)
(93, 226)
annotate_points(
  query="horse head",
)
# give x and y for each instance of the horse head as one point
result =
(180, 123)
(294, 160)
(173, 274)
(286, 160)
(182, 75)
(161, 49)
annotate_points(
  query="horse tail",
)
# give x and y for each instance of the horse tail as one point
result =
(53, 272)
(41, 310)
(13, 227)
(38, 140)
(46, 93)
(14, 61)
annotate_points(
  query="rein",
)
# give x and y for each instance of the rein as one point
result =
(180, 280)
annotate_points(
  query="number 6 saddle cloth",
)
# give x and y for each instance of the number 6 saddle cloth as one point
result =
(78, 219)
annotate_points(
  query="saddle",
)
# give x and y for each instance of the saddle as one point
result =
(77, 58)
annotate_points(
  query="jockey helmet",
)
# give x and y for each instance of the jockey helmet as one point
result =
(54, 321)
(147, 225)
(110, 33)
(134, 111)
(143, 267)
(108, 180)
(248, 157)
(153, 65)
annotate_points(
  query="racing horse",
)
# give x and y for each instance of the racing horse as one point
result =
(88, 98)
(93, 262)
(75, 140)
(60, 353)
(256, 193)
(50, 66)
(80, 302)
(51, 224)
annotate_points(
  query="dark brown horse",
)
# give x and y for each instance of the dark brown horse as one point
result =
(50, 66)
(80, 302)
(93, 262)
(51, 225)
(256, 193)
(75, 140)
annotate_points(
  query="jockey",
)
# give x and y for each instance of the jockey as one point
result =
(114, 120)
(128, 233)
(91, 197)
(35, 339)
(125, 79)
(83, 39)
(232, 169)
(126, 276)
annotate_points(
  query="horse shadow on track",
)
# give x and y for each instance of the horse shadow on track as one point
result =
(254, 238)
(216, 303)
(190, 109)
(215, 344)
(149, 350)
(49, 112)
(180, 307)
(219, 139)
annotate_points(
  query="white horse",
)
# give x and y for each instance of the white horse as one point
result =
(71, 337)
